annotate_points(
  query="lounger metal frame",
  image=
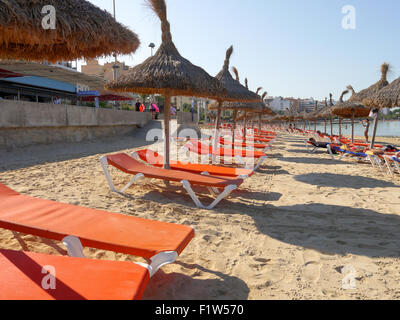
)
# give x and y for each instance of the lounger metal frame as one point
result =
(186, 185)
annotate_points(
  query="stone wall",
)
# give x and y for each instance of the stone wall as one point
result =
(26, 123)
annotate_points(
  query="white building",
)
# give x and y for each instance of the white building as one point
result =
(278, 104)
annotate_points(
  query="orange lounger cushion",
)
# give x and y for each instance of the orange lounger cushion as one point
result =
(157, 160)
(243, 145)
(129, 165)
(23, 277)
(200, 148)
(95, 228)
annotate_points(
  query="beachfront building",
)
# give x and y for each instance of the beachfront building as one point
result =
(106, 71)
(278, 104)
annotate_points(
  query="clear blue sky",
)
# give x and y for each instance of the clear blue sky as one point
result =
(289, 47)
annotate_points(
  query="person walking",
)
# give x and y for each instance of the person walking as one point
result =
(137, 105)
(366, 125)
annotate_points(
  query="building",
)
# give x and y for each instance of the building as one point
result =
(279, 104)
(94, 68)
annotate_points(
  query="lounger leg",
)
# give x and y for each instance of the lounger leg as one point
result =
(306, 144)
(330, 152)
(260, 162)
(228, 190)
(389, 167)
(104, 164)
(214, 191)
(74, 247)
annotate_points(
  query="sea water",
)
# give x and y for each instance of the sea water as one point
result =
(385, 128)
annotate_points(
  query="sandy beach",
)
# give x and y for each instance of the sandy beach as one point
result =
(295, 230)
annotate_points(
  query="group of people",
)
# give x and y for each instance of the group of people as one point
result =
(140, 107)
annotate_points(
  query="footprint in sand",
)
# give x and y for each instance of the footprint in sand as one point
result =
(312, 266)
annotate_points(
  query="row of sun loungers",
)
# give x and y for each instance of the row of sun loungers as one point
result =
(42, 277)
(386, 161)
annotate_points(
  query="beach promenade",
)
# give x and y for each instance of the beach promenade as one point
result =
(295, 230)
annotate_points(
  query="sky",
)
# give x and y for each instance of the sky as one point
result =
(291, 48)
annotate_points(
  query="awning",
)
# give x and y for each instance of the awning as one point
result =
(9, 74)
(52, 71)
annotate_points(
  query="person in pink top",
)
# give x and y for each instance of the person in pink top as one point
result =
(155, 111)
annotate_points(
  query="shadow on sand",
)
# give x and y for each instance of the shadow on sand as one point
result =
(177, 286)
(332, 229)
(343, 181)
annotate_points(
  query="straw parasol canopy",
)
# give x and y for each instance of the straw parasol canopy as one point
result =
(365, 95)
(234, 90)
(82, 30)
(388, 97)
(349, 109)
(169, 74)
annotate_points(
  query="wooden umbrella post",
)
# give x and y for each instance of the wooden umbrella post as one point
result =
(245, 126)
(352, 126)
(340, 127)
(376, 120)
(235, 112)
(216, 134)
(331, 121)
(167, 134)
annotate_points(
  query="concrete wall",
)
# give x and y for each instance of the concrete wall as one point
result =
(26, 123)
(186, 118)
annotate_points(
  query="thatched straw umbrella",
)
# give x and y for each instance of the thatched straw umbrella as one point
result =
(82, 30)
(169, 74)
(367, 96)
(338, 105)
(234, 92)
(351, 110)
(246, 107)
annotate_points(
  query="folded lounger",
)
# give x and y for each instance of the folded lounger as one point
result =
(157, 160)
(129, 165)
(202, 149)
(77, 227)
(27, 276)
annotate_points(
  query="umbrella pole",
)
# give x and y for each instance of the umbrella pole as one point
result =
(259, 123)
(376, 120)
(245, 126)
(217, 125)
(235, 112)
(352, 127)
(167, 114)
(340, 127)
(331, 120)
(325, 126)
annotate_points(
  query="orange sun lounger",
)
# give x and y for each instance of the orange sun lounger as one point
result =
(33, 276)
(129, 165)
(202, 149)
(265, 147)
(76, 227)
(157, 160)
